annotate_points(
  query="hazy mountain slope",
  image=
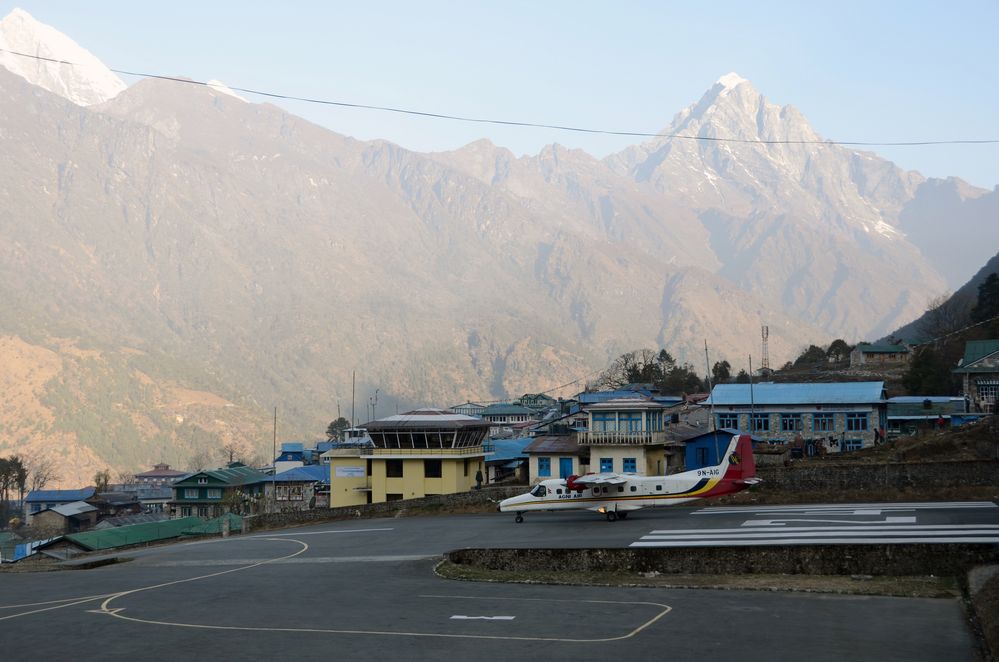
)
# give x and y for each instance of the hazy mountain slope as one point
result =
(955, 225)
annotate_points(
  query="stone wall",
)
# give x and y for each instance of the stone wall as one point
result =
(892, 560)
(815, 477)
(476, 499)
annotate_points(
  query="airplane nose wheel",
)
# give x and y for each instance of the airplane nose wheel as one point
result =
(519, 518)
(611, 516)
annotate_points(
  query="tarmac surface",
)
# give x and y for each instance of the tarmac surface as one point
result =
(365, 589)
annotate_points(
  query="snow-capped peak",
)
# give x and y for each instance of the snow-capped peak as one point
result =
(85, 82)
(730, 81)
(222, 88)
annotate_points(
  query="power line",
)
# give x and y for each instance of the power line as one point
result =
(537, 125)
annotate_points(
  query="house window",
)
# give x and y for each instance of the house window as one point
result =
(190, 493)
(604, 421)
(214, 493)
(730, 421)
(853, 444)
(393, 497)
(393, 468)
(544, 466)
(606, 464)
(35, 507)
(761, 422)
(630, 421)
(630, 465)
(202, 511)
(702, 457)
(202, 481)
(823, 423)
(185, 511)
(432, 469)
(856, 422)
(790, 422)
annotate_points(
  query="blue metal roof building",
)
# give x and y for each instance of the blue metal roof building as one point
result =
(769, 393)
(819, 417)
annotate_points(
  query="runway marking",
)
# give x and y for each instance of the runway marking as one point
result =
(811, 541)
(782, 522)
(456, 617)
(69, 602)
(843, 508)
(316, 533)
(297, 560)
(51, 602)
(117, 613)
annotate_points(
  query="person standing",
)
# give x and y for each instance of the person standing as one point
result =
(478, 479)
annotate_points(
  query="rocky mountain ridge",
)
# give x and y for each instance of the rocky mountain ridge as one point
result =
(176, 240)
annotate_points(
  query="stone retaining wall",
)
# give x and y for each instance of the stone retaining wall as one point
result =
(891, 560)
(803, 478)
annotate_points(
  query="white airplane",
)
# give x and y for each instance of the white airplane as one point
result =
(615, 495)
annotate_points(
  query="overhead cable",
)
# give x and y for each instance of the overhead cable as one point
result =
(538, 125)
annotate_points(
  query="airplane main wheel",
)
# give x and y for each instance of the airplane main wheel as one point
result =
(519, 518)
(623, 515)
(612, 516)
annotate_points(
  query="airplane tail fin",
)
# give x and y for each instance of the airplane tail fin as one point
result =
(741, 465)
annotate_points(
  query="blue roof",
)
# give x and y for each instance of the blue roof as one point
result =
(60, 495)
(505, 450)
(768, 394)
(292, 447)
(310, 473)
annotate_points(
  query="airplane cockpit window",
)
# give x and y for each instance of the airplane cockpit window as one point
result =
(539, 491)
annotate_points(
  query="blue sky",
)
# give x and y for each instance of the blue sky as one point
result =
(869, 71)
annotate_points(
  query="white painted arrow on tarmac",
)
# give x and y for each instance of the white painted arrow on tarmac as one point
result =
(782, 522)
(482, 618)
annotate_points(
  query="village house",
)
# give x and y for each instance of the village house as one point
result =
(627, 435)
(469, 409)
(979, 370)
(39, 500)
(160, 476)
(556, 455)
(832, 417)
(208, 494)
(879, 355)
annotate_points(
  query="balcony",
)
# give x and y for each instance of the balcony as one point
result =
(621, 438)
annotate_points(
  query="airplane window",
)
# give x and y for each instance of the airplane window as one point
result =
(634, 489)
(620, 488)
(596, 490)
(539, 491)
(558, 491)
(659, 488)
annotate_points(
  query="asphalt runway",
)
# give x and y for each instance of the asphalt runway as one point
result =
(354, 590)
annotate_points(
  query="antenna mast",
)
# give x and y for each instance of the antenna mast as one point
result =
(765, 362)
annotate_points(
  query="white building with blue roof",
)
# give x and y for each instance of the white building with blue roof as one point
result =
(835, 417)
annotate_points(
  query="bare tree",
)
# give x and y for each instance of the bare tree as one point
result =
(102, 479)
(944, 315)
(125, 478)
(199, 461)
(41, 472)
(234, 451)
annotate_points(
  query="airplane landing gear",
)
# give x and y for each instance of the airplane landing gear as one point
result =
(519, 518)
(611, 516)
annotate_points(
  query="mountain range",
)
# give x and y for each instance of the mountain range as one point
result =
(176, 261)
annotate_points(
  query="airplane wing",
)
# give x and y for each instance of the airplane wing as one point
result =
(600, 479)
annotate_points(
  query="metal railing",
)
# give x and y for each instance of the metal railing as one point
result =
(624, 438)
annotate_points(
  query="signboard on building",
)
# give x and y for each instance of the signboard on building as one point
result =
(351, 472)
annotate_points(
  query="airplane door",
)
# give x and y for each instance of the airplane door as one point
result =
(564, 467)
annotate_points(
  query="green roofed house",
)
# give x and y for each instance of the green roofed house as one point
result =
(208, 494)
(980, 371)
(879, 355)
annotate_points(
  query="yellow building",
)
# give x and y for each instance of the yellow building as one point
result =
(411, 455)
